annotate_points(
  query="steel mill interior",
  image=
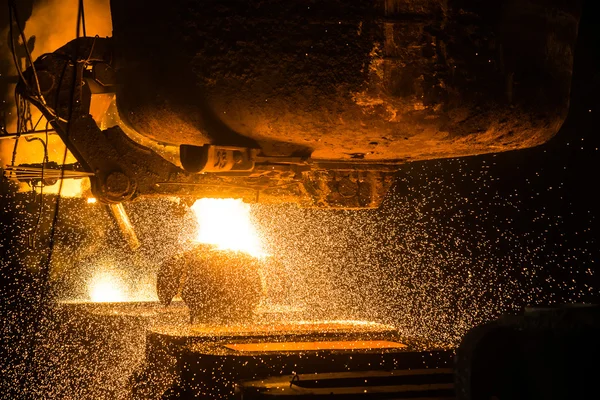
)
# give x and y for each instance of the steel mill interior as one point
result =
(299, 199)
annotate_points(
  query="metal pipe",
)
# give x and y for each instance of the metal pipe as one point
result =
(118, 211)
(26, 134)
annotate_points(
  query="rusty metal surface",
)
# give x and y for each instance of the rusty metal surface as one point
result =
(122, 169)
(329, 97)
(389, 79)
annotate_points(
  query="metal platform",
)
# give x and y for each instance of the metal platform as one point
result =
(437, 383)
(206, 361)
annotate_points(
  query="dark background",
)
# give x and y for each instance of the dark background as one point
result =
(456, 243)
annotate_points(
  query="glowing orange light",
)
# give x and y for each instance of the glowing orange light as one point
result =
(304, 346)
(106, 287)
(91, 200)
(226, 224)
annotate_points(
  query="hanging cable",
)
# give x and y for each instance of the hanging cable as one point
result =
(13, 11)
(45, 267)
(14, 153)
(23, 110)
(41, 209)
(45, 270)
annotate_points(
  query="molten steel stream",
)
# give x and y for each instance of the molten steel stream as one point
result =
(226, 224)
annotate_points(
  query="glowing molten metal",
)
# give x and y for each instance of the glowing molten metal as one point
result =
(106, 287)
(226, 224)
